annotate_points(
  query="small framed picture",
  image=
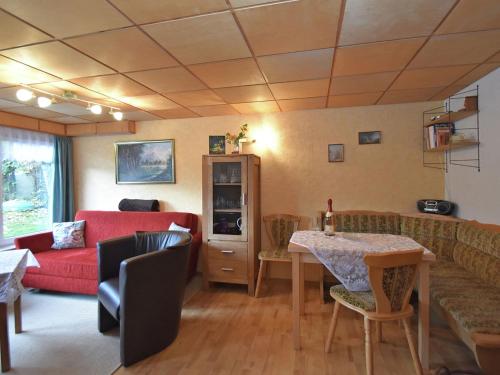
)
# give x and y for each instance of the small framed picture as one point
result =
(216, 144)
(370, 138)
(335, 153)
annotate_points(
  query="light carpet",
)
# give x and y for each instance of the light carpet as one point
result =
(60, 335)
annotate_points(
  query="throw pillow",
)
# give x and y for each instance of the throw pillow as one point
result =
(174, 226)
(68, 235)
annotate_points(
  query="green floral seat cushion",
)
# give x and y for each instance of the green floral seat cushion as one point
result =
(473, 304)
(478, 251)
(437, 235)
(281, 253)
(367, 222)
(363, 300)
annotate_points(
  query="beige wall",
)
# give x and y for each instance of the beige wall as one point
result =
(296, 175)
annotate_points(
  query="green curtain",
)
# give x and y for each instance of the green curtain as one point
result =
(63, 207)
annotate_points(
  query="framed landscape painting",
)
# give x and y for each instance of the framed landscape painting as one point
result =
(145, 162)
(370, 138)
(216, 144)
(335, 153)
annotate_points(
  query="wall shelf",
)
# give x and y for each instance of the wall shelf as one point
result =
(450, 118)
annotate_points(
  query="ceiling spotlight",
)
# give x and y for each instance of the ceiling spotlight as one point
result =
(43, 101)
(24, 95)
(96, 109)
(118, 115)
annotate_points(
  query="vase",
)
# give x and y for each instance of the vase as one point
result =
(236, 148)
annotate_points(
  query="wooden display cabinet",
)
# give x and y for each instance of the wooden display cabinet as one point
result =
(231, 219)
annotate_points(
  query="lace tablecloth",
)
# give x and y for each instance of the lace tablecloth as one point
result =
(343, 253)
(13, 265)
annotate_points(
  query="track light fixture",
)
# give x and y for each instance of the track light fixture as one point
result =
(117, 115)
(43, 101)
(24, 95)
(96, 109)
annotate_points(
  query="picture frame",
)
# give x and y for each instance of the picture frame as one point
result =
(217, 144)
(145, 162)
(335, 153)
(370, 138)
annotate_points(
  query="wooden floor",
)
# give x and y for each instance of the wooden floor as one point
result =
(225, 331)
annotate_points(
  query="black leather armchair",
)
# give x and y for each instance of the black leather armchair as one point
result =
(141, 288)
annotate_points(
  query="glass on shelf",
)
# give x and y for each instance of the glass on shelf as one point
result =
(227, 173)
(228, 223)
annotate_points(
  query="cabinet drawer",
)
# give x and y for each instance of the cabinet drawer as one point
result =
(227, 250)
(232, 271)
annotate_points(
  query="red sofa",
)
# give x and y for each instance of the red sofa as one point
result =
(75, 270)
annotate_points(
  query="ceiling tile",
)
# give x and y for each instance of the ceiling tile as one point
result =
(430, 77)
(472, 16)
(125, 50)
(361, 83)
(201, 39)
(477, 73)
(104, 117)
(175, 113)
(14, 32)
(59, 87)
(299, 104)
(69, 109)
(62, 18)
(495, 58)
(297, 66)
(140, 116)
(12, 72)
(215, 110)
(145, 11)
(449, 91)
(114, 85)
(196, 98)
(34, 112)
(255, 93)
(150, 102)
(375, 57)
(300, 89)
(9, 104)
(291, 26)
(70, 120)
(168, 80)
(408, 96)
(379, 20)
(353, 100)
(57, 59)
(257, 107)
(114, 103)
(229, 73)
(457, 49)
(245, 3)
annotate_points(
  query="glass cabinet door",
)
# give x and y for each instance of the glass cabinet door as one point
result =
(228, 198)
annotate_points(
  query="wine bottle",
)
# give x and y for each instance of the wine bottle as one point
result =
(329, 226)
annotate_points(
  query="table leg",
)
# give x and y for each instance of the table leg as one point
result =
(4, 338)
(423, 315)
(18, 320)
(296, 298)
(301, 285)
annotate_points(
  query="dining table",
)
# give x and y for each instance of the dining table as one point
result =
(13, 265)
(342, 254)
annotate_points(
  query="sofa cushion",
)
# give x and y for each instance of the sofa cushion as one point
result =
(367, 222)
(68, 235)
(478, 251)
(466, 298)
(437, 235)
(104, 225)
(71, 263)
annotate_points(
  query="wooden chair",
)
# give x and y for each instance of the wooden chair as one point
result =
(392, 277)
(279, 230)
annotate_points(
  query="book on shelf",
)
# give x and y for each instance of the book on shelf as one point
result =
(438, 135)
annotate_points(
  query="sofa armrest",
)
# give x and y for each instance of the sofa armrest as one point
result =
(111, 253)
(35, 242)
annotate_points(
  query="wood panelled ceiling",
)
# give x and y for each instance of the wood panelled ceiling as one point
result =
(190, 58)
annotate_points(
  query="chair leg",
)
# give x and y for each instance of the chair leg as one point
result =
(368, 347)
(378, 329)
(262, 270)
(333, 326)
(414, 354)
(321, 287)
(105, 320)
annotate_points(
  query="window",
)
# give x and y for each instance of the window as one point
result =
(26, 182)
